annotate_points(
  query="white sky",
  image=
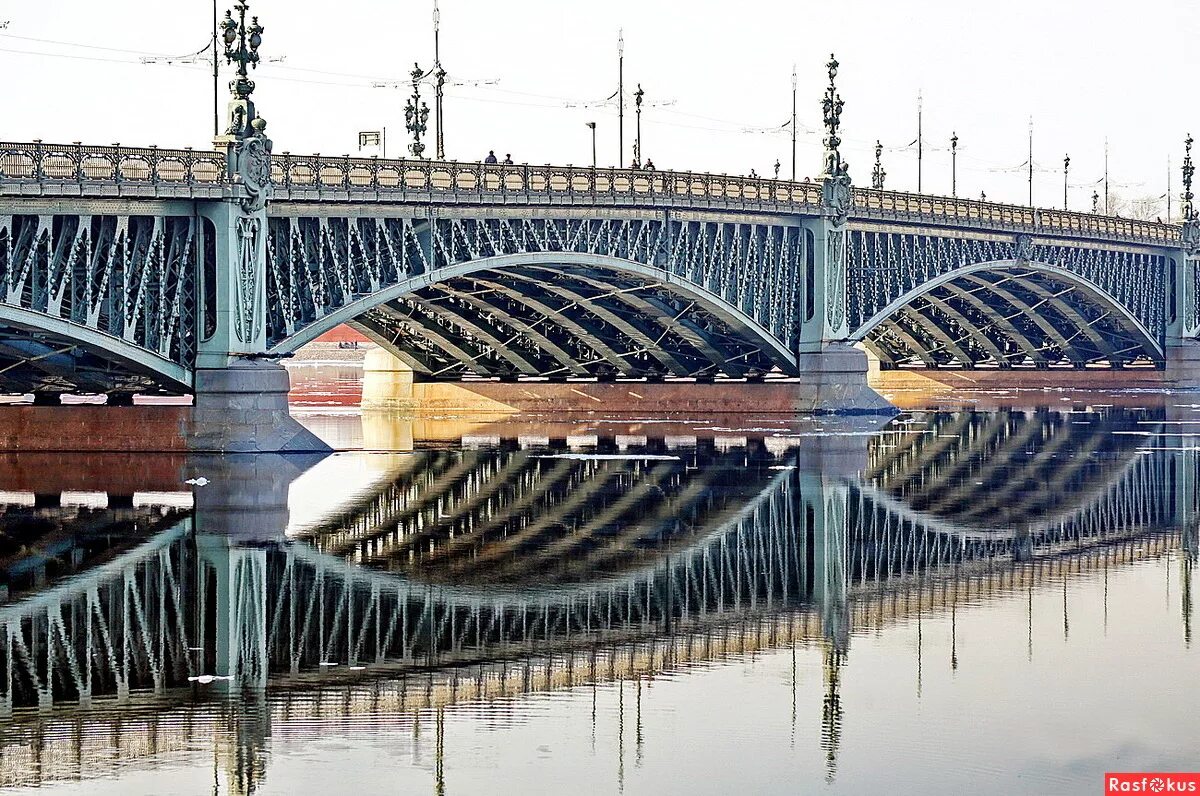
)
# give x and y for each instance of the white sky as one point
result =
(1083, 70)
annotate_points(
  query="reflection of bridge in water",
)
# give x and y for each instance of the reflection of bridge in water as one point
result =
(469, 574)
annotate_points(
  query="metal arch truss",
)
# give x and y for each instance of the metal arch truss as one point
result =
(575, 296)
(97, 303)
(938, 302)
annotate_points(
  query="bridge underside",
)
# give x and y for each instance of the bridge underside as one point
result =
(47, 364)
(566, 321)
(1010, 317)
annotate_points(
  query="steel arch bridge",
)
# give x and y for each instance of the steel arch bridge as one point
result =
(124, 270)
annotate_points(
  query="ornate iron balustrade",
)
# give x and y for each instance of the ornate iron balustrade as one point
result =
(332, 178)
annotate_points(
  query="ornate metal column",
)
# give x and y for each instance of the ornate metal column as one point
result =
(241, 397)
(1183, 290)
(824, 311)
(234, 324)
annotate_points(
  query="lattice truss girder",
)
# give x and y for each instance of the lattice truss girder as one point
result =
(130, 278)
(1010, 315)
(550, 320)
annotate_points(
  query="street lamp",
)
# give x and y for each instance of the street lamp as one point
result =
(241, 45)
(777, 168)
(954, 165)
(621, 97)
(878, 174)
(637, 145)
(1095, 202)
(416, 113)
(592, 125)
(1066, 168)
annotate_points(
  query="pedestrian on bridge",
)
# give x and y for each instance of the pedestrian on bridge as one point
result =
(649, 164)
(491, 157)
(508, 160)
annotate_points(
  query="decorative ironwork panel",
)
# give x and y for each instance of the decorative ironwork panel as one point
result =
(885, 266)
(130, 277)
(319, 265)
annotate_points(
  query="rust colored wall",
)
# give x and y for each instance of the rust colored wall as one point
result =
(342, 334)
(93, 428)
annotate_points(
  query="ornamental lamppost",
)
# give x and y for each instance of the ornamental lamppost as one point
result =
(241, 45)
(954, 164)
(637, 145)
(1189, 170)
(416, 113)
(1189, 233)
(878, 174)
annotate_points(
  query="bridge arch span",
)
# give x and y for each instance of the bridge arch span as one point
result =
(1008, 313)
(43, 353)
(557, 314)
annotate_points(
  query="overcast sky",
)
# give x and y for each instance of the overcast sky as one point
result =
(1083, 70)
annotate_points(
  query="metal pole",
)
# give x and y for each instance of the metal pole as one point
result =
(440, 76)
(593, 126)
(383, 140)
(621, 97)
(1066, 168)
(1105, 175)
(954, 165)
(1031, 161)
(216, 77)
(1168, 189)
(920, 146)
(793, 122)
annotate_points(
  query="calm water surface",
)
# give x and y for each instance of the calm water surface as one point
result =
(952, 601)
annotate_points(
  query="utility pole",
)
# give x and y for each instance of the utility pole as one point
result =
(216, 76)
(793, 122)
(1105, 175)
(920, 143)
(621, 97)
(954, 165)
(592, 125)
(1168, 189)
(439, 75)
(1066, 168)
(1031, 161)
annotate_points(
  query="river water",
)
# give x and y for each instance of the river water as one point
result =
(982, 595)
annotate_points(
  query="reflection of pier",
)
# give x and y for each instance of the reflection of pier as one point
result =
(762, 552)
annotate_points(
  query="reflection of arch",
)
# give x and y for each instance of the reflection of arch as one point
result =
(44, 343)
(998, 474)
(617, 316)
(1004, 312)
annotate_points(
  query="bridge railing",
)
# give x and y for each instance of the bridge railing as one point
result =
(325, 177)
(40, 162)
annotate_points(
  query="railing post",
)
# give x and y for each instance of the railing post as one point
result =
(287, 170)
(78, 160)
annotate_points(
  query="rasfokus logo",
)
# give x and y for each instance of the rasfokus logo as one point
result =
(1151, 782)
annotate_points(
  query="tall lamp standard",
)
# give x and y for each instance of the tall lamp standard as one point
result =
(637, 144)
(878, 174)
(1066, 168)
(592, 125)
(954, 165)
(416, 114)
